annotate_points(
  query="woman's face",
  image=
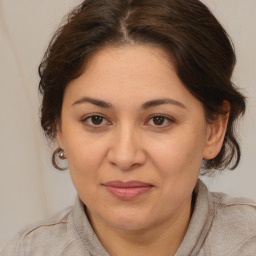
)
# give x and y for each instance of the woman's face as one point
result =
(134, 137)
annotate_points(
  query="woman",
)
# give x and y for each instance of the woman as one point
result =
(139, 98)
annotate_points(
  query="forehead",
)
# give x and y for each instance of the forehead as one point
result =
(129, 73)
(131, 60)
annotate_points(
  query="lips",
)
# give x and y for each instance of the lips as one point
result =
(127, 190)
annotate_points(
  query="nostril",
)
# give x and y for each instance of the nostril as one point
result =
(126, 150)
(128, 161)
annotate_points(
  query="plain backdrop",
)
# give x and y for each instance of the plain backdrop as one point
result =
(30, 188)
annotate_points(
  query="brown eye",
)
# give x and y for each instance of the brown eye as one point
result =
(158, 120)
(97, 120)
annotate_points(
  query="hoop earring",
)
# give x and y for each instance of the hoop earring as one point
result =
(61, 155)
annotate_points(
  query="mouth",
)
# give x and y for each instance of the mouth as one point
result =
(127, 190)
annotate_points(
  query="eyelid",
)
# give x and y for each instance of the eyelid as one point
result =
(168, 118)
(86, 117)
(162, 115)
(106, 121)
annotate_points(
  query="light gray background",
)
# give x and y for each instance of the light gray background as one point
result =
(30, 189)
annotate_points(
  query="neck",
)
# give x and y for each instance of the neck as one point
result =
(161, 239)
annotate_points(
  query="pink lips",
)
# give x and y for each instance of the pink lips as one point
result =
(127, 190)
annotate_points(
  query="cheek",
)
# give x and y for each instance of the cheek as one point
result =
(85, 157)
(178, 155)
(84, 162)
(178, 162)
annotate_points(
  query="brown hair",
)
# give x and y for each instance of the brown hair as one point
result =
(202, 52)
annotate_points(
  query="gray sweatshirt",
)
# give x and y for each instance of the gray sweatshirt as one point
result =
(220, 226)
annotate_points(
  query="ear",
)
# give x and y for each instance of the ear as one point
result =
(216, 133)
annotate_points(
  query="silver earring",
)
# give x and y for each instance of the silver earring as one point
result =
(62, 154)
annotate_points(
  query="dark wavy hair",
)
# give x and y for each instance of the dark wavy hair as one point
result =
(201, 50)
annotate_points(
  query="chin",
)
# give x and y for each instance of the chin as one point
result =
(130, 225)
(128, 221)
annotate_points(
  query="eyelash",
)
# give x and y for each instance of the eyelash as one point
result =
(86, 122)
(167, 119)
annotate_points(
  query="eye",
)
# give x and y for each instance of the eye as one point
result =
(95, 121)
(160, 121)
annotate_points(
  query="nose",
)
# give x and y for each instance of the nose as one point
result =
(126, 151)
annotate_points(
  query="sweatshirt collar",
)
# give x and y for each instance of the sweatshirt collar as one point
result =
(200, 222)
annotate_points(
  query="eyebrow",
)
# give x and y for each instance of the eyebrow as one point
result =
(99, 103)
(145, 106)
(154, 103)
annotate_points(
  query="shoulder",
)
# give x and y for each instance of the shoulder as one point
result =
(241, 212)
(47, 235)
(234, 222)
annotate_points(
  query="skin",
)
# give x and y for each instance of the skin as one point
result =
(125, 142)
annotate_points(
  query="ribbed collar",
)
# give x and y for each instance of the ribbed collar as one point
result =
(85, 231)
(200, 222)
